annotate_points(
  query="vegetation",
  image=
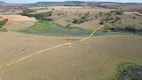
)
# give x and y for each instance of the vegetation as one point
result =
(119, 12)
(40, 16)
(110, 17)
(44, 25)
(128, 71)
(126, 29)
(82, 19)
(139, 10)
(26, 10)
(3, 22)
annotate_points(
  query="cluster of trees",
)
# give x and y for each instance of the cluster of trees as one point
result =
(110, 20)
(126, 29)
(39, 16)
(3, 22)
(139, 10)
(111, 17)
(118, 12)
(82, 19)
(26, 10)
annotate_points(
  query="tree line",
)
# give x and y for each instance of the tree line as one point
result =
(39, 16)
(126, 29)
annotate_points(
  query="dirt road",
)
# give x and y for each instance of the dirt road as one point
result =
(54, 47)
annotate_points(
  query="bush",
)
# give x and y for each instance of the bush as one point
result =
(27, 11)
(101, 23)
(116, 19)
(82, 19)
(77, 21)
(139, 10)
(119, 12)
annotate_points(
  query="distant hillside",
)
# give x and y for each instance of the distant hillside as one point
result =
(2, 2)
(114, 5)
(66, 3)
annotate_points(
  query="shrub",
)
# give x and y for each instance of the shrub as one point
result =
(67, 26)
(101, 23)
(3, 22)
(26, 10)
(82, 19)
(134, 17)
(119, 12)
(77, 21)
(139, 10)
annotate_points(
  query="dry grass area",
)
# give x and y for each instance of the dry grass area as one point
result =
(16, 22)
(64, 15)
(95, 58)
(131, 7)
(109, 4)
(22, 45)
(9, 11)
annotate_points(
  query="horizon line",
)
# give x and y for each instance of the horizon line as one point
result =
(69, 1)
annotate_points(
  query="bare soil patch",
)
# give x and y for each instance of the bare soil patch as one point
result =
(16, 22)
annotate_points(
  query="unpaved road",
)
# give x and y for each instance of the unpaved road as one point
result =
(91, 59)
(95, 58)
(47, 49)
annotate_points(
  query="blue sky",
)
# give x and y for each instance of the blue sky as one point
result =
(32, 1)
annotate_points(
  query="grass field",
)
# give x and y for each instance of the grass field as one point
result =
(44, 25)
(52, 29)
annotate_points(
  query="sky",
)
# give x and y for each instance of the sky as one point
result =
(32, 1)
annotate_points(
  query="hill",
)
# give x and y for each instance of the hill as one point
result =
(2, 2)
(112, 5)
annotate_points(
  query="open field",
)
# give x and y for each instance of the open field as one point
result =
(23, 45)
(4, 11)
(91, 59)
(69, 42)
(16, 22)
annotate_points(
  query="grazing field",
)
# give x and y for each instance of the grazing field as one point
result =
(22, 45)
(45, 25)
(4, 11)
(96, 58)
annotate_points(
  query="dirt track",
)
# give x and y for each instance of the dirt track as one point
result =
(47, 49)
(91, 59)
(95, 58)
